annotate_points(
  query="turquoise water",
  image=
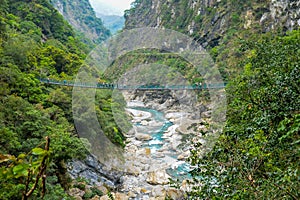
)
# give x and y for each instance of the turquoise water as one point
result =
(182, 168)
(157, 141)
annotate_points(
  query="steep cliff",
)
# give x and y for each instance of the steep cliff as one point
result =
(253, 46)
(80, 14)
(211, 20)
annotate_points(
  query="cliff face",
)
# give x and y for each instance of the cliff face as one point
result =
(80, 14)
(210, 20)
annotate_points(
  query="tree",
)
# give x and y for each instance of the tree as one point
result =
(25, 174)
(257, 156)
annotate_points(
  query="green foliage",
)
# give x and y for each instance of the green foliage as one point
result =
(109, 111)
(43, 15)
(35, 41)
(82, 16)
(257, 157)
(26, 174)
(174, 66)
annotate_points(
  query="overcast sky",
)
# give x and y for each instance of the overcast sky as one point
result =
(117, 6)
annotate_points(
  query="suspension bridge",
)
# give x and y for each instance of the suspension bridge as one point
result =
(112, 86)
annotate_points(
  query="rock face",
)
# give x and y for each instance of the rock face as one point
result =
(95, 172)
(163, 100)
(210, 20)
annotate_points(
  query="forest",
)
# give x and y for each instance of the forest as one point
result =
(256, 156)
(36, 42)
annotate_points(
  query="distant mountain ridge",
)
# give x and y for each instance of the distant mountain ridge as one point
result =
(113, 22)
(113, 18)
(105, 9)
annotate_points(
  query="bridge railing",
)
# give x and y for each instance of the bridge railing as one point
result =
(133, 87)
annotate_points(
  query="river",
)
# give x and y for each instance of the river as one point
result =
(178, 169)
(152, 153)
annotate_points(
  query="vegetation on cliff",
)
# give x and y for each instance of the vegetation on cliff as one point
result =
(82, 17)
(256, 156)
(36, 41)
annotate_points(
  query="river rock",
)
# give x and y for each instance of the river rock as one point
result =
(158, 177)
(133, 103)
(131, 148)
(185, 186)
(102, 189)
(133, 170)
(142, 137)
(206, 114)
(95, 198)
(174, 193)
(158, 191)
(184, 155)
(76, 192)
(131, 132)
(145, 191)
(157, 198)
(105, 197)
(131, 194)
(121, 196)
(116, 196)
(144, 123)
(140, 153)
(180, 157)
(159, 155)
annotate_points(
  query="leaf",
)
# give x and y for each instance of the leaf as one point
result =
(22, 156)
(38, 151)
(20, 170)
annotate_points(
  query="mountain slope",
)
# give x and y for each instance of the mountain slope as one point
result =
(37, 132)
(217, 25)
(255, 45)
(80, 14)
(210, 20)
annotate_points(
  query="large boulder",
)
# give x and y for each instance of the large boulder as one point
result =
(158, 191)
(76, 192)
(184, 155)
(142, 137)
(121, 196)
(158, 177)
(173, 193)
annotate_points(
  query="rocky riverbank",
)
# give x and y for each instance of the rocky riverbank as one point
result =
(149, 156)
(151, 159)
(156, 147)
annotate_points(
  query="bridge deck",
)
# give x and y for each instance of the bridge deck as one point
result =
(133, 87)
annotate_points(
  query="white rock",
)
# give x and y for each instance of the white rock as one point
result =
(184, 155)
(158, 177)
(131, 194)
(158, 191)
(135, 104)
(142, 137)
(144, 123)
(174, 193)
